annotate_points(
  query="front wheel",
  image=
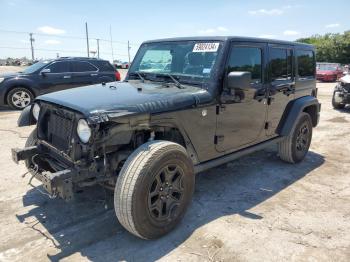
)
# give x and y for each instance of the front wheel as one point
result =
(335, 103)
(154, 189)
(295, 146)
(19, 98)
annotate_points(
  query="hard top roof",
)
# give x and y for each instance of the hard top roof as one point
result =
(229, 38)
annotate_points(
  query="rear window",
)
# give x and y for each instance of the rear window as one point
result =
(104, 66)
(280, 64)
(306, 63)
(83, 67)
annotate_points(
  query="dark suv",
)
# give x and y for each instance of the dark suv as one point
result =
(187, 105)
(18, 90)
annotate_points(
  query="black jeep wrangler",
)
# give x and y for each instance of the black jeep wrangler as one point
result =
(187, 105)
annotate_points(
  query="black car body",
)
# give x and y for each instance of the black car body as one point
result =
(19, 89)
(187, 104)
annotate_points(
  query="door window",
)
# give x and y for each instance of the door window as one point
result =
(306, 63)
(246, 59)
(83, 67)
(280, 64)
(59, 67)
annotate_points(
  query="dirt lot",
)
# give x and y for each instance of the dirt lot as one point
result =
(254, 209)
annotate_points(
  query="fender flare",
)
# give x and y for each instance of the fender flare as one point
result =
(26, 118)
(293, 110)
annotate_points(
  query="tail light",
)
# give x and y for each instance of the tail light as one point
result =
(117, 75)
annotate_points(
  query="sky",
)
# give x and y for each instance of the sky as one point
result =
(58, 27)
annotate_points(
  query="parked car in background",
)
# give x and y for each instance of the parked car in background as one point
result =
(117, 63)
(328, 72)
(125, 65)
(19, 89)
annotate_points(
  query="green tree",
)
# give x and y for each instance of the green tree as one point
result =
(331, 47)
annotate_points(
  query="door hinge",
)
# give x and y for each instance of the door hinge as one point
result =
(220, 108)
(267, 125)
(218, 139)
(217, 109)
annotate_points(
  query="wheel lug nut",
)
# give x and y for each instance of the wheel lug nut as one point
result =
(161, 189)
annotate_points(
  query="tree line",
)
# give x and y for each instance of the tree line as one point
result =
(333, 48)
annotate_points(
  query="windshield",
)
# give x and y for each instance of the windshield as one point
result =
(35, 67)
(327, 67)
(185, 60)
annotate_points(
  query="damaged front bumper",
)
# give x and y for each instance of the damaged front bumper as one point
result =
(57, 183)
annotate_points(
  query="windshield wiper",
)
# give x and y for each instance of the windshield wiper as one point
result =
(177, 83)
(139, 75)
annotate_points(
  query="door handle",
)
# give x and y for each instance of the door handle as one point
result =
(67, 77)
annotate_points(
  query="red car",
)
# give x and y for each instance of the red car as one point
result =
(328, 72)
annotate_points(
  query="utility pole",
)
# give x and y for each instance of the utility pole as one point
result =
(31, 39)
(129, 51)
(87, 39)
(110, 34)
(98, 48)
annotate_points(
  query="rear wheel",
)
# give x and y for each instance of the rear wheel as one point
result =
(19, 98)
(295, 146)
(154, 189)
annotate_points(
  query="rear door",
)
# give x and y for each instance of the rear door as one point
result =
(281, 84)
(84, 73)
(242, 113)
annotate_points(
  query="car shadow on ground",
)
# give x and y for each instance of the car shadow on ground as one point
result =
(87, 227)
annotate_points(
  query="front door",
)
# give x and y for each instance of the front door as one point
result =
(282, 84)
(59, 77)
(242, 114)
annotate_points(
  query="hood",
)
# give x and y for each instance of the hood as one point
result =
(128, 97)
(326, 72)
(10, 74)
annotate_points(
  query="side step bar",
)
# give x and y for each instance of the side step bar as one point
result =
(230, 157)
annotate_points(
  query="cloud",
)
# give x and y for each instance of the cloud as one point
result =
(51, 30)
(267, 36)
(291, 32)
(271, 12)
(332, 25)
(52, 42)
(213, 30)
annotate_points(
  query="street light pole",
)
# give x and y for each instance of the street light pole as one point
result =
(31, 39)
(87, 39)
(98, 48)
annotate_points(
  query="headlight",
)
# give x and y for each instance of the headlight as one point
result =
(83, 130)
(36, 111)
(1, 79)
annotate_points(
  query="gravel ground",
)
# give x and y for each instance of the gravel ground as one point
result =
(254, 209)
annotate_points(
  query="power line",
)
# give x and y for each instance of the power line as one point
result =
(67, 37)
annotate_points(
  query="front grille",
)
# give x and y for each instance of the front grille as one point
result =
(59, 131)
(55, 126)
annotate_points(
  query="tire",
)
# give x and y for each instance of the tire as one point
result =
(335, 104)
(20, 97)
(295, 146)
(154, 189)
(32, 140)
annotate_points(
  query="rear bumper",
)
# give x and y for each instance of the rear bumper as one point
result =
(326, 77)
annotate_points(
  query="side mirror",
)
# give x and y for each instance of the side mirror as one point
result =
(239, 80)
(45, 71)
